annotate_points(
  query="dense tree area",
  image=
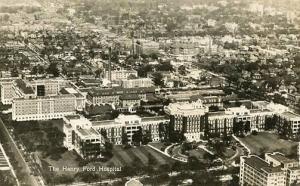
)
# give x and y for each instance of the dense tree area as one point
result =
(158, 79)
(52, 69)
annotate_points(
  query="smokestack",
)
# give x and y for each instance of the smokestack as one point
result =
(298, 152)
(109, 64)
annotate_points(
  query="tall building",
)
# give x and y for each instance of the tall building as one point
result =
(275, 169)
(188, 118)
(81, 137)
(43, 108)
(7, 92)
(289, 123)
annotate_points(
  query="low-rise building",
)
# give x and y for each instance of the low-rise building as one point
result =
(117, 75)
(112, 95)
(136, 83)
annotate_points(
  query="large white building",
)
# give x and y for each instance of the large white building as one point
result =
(46, 107)
(125, 126)
(274, 170)
(82, 137)
(196, 122)
(188, 118)
(40, 99)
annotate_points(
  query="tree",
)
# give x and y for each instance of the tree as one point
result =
(166, 66)
(182, 70)
(219, 147)
(247, 127)
(143, 70)
(146, 138)
(125, 139)
(41, 69)
(158, 79)
(52, 69)
(98, 73)
(34, 70)
(108, 149)
(137, 137)
(15, 72)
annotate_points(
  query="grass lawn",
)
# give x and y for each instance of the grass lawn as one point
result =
(122, 157)
(267, 142)
(198, 153)
(68, 159)
(159, 146)
(229, 152)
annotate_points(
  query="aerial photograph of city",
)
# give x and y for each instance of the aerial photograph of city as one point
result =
(149, 93)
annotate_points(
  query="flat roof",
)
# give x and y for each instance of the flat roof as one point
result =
(87, 132)
(155, 118)
(120, 91)
(104, 123)
(290, 114)
(281, 158)
(260, 164)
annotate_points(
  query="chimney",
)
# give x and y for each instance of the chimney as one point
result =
(298, 152)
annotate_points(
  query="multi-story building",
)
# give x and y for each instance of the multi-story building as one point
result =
(7, 92)
(146, 47)
(255, 117)
(117, 75)
(87, 138)
(135, 83)
(81, 137)
(189, 118)
(112, 95)
(46, 87)
(289, 123)
(276, 169)
(44, 108)
(196, 122)
(219, 124)
(18, 88)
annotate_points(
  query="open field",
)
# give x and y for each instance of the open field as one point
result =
(267, 142)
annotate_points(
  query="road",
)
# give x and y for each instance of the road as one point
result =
(27, 179)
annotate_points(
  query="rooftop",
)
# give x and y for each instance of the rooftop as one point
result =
(155, 118)
(281, 158)
(120, 91)
(290, 115)
(71, 117)
(23, 87)
(260, 164)
(104, 123)
(87, 132)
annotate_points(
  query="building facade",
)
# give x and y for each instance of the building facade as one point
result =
(275, 169)
(117, 75)
(43, 108)
(135, 83)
